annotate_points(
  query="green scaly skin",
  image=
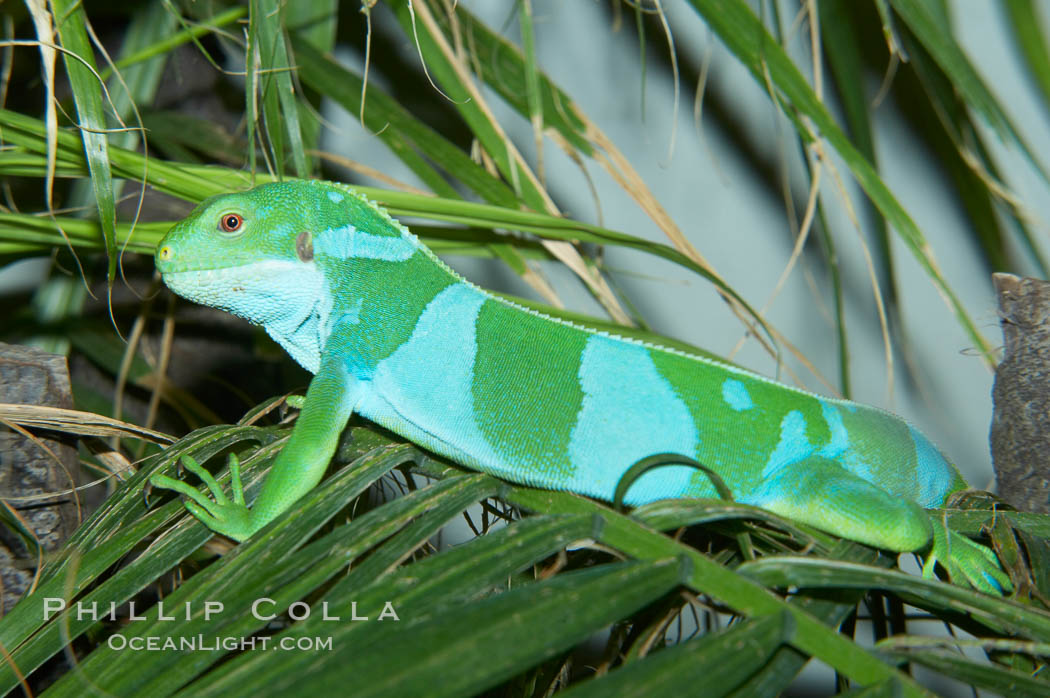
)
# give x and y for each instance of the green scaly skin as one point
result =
(390, 332)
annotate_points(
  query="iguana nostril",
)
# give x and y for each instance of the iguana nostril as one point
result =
(165, 254)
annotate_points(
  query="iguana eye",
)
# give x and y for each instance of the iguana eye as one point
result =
(230, 223)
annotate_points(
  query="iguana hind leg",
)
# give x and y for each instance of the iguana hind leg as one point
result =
(964, 560)
(823, 494)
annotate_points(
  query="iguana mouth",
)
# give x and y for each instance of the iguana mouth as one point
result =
(202, 285)
(200, 270)
(189, 282)
(168, 262)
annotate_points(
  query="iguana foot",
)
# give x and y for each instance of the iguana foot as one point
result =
(967, 562)
(230, 518)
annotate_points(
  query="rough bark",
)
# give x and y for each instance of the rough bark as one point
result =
(32, 377)
(1020, 434)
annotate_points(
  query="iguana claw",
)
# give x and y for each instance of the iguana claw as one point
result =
(967, 562)
(230, 518)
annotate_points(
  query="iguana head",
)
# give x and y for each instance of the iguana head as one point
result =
(278, 255)
(246, 229)
(251, 253)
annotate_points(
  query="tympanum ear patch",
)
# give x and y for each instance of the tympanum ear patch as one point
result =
(304, 246)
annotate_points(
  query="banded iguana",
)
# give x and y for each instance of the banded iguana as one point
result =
(394, 334)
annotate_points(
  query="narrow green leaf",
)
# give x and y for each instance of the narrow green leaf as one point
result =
(1001, 615)
(241, 578)
(1000, 681)
(64, 628)
(532, 81)
(840, 37)
(432, 47)
(504, 68)
(150, 25)
(275, 88)
(171, 40)
(671, 514)
(196, 183)
(889, 688)
(515, 629)
(971, 521)
(938, 40)
(717, 662)
(37, 232)
(454, 576)
(747, 38)
(709, 577)
(1026, 23)
(945, 124)
(402, 132)
(121, 512)
(30, 133)
(71, 21)
(27, 616)
(176, 133)
(831, 607)
(316, 21)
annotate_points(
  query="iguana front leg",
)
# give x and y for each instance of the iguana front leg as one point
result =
(330, 400)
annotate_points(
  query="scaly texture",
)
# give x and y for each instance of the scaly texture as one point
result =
(395, 335)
